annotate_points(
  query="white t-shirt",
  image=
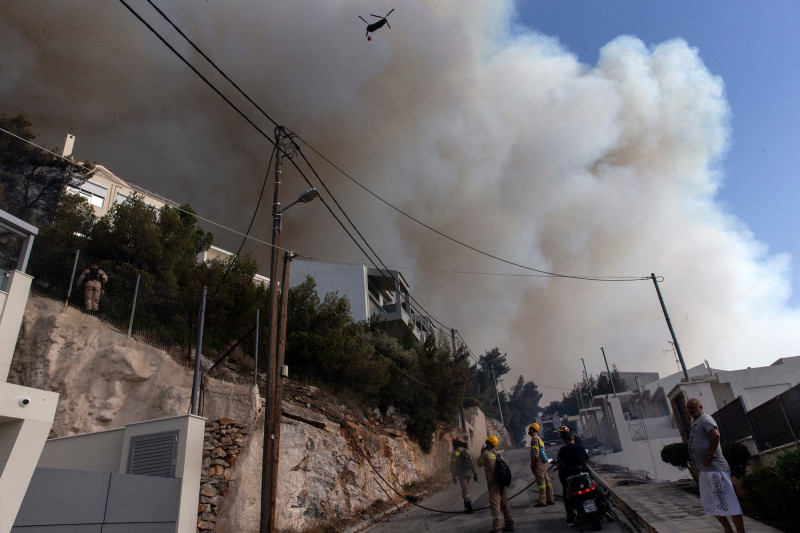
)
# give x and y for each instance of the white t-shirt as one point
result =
(698, 446)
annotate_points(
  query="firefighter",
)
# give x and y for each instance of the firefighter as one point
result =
(539, 468)
(498, 497)
(95, 277)
(462, 469)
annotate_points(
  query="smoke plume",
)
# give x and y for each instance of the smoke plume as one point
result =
(487, 131)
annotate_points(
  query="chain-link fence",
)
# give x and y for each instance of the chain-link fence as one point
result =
(135, 304)
(130, 301)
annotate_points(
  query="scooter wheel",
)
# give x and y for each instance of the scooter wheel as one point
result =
(596, 524)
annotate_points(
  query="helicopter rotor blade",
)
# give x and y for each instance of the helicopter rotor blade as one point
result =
(362, 18)
(387, 23)
(376, 16)
(389, 13)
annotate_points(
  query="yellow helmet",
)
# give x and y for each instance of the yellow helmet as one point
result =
(534, 426)
(491, 439)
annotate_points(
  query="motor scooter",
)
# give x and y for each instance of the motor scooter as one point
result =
(582, 494)
(588, 502)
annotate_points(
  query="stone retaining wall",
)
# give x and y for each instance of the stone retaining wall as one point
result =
(223, 443)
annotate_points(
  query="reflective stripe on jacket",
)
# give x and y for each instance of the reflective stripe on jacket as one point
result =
(537, 450)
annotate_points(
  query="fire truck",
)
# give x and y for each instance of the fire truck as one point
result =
(548, 430)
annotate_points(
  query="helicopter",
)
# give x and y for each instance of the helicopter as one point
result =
(376, 25)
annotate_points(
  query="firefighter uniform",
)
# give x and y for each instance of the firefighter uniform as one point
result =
(539, 468)
(95, 277)
(498, 497)
(462, 469)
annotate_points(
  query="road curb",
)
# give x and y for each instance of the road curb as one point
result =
(630, 513)
(369, 522)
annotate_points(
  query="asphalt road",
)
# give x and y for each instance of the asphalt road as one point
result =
(453, 519)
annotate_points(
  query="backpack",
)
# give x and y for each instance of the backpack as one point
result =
(464, 461)
(94, 274)
(502, 474)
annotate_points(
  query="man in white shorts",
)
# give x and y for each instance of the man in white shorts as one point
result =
(705, 453)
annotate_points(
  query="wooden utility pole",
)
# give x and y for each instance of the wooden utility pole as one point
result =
(269, 468)
(277, 399)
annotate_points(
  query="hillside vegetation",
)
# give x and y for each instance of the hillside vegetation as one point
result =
(152, 253)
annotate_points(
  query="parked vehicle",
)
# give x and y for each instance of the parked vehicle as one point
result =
(586, 498)
(583, 496)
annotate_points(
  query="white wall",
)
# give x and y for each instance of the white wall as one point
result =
(346, 279)
(107, 451)
(645, 457)
(13, 307)
(92, 452)
(757, 385)
(24, 425)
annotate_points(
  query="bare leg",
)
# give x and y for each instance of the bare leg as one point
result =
(738, 521)
(725, 524)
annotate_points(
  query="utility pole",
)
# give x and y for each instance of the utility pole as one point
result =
(276, 345)
(500, 407)
(269, 468)
(462, 424)
(277, 398)
(669, 325)
(610, 377)
(588, 384)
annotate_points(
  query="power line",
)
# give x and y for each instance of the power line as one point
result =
(222, 73)
(241, 113)
(186, 62)
(219, 70)
(247, 236)
(542, 272)
(90, 169)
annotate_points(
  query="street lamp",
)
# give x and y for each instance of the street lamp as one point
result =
(306, 197)
(272, 411)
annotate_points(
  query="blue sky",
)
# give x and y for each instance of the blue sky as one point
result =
(755, 48)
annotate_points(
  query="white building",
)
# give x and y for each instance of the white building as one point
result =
(143, 477)
(26, 414)
(103, 189)
(372, 293)
(640, 422)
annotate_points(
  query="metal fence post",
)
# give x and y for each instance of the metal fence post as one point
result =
(72, 277)
(133, 307)
(197, 354)
(255, 353)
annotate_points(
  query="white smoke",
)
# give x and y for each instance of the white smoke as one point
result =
(487, 131)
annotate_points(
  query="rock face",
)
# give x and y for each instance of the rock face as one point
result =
(106, 379)
(336, 463)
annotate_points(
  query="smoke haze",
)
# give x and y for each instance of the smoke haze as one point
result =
(487, 131)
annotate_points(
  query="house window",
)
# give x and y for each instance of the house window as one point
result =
(96, 194)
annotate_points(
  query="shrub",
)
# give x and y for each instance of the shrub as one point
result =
(676, 454)
(765, 493)
(737, 456)
(788, 466)
(775, 490)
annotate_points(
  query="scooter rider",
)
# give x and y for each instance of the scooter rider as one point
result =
(571, 458)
